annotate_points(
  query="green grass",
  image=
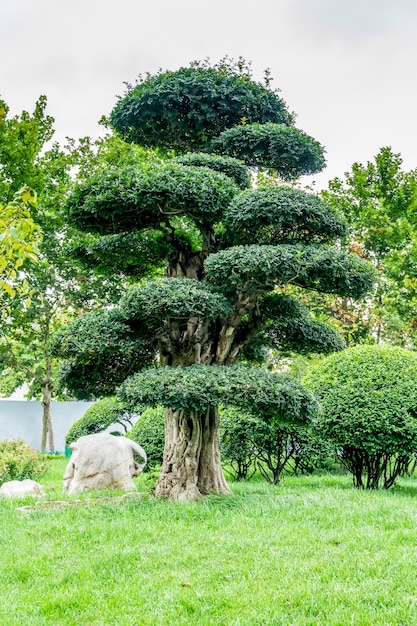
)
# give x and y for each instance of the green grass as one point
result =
(312, 551)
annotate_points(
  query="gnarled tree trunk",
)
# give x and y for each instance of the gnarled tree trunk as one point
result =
(191, 465)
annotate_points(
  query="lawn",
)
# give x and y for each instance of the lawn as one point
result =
(310, 551)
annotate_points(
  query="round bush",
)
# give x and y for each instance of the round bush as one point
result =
(183, 110)
(285, 149)
(148, 432)
(368, 398)
(98, 417)
(19, 461)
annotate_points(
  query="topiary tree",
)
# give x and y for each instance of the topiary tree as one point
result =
(368, 398)
(227, 254)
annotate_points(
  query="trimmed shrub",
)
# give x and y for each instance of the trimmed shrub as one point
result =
(148, 432)
(236, 445)
(231, 167)
(19, 461)
(98, 417)
(368, 398)
(183, 110)
(250, 442)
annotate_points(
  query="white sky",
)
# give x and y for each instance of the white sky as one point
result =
(346, 67)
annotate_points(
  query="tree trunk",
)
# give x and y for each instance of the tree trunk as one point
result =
(191, 465)
(47, 430)
(210, 473)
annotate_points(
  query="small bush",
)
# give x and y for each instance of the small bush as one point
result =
(250, 442)
(312, 453)
(148, 432)
(98, 417)
(19, 461)
(236, 443)
(368, 398)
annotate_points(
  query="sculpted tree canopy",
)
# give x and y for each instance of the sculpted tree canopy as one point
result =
(223, 256)
(184, 110)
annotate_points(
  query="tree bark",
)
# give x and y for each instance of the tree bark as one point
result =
(47, 430)
(191, 465)
(210, 473)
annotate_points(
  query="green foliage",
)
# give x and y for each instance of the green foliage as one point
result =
(98, 417)
(23, 159)
(109, 151)
(198, 387)
(185, 109)
(279, 215)
(148, 431)
(133, 254)
(368, 396)
(252, 441)
(290, 326)
(19, 461)
(26, 160)
(101, 350)
(236, 444)
(130, 199)
(226, 165)
(287, 449)
(98, 332)
(19, 239)
(284, 149)
(379, 201)
(181, 298)
(260, 268)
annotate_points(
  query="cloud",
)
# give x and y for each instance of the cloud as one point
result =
(345, 67)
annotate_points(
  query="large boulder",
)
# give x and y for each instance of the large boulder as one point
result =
(103, 461)
(21, 488)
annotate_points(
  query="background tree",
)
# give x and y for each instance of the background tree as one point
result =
(224, 253)
(379, 201)
(368, 397)
(27, 158)
(60, 287)
(19, 238)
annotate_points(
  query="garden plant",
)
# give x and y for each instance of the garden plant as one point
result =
(19, 461)
(223, 253)
(368, 397)
(99, 417)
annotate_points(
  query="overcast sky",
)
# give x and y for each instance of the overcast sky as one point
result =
(347, 68)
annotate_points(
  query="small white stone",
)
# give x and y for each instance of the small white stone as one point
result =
(21, 488)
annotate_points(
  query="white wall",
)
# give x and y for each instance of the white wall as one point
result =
(23, 418)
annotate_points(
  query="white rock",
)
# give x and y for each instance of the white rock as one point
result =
(103, 461)
(21, 488)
